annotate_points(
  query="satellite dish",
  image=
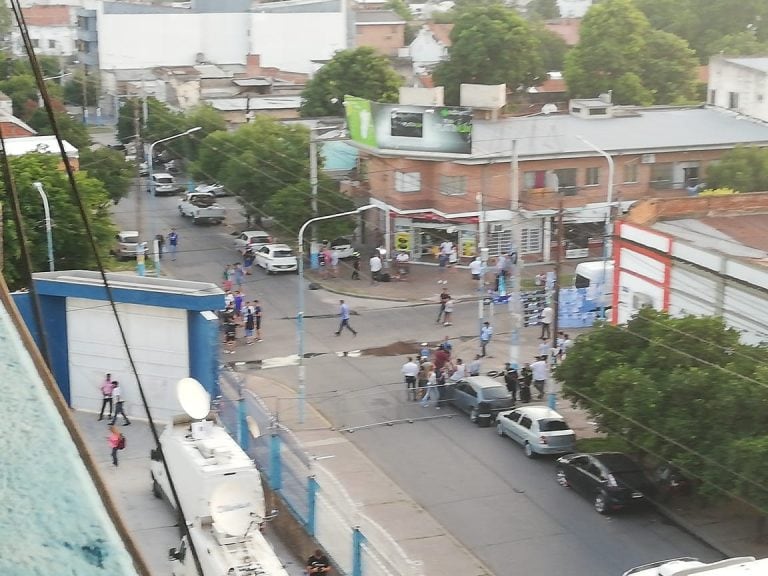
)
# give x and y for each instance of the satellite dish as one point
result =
(549, 108)
(194, 399)
(236, 505)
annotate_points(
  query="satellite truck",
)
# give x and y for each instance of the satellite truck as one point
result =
(220, 492)
(742, 566)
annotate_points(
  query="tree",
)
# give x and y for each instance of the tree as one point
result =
(620, 53)
(359, 72)
(21, 89)
(108, 166)
(543, 10)
(743, 43)
(71, 130)
(291, 207)
(209, 121)
(744, 169)
(70, 243)
(663, 384)
(489, 45)
(255, 161)
(552, 48)
(73, 89)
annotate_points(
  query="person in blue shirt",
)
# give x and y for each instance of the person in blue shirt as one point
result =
(485, 337)
(173, 242)
(344, 315)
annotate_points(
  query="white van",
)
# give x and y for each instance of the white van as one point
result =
(597, 278)
(164, 184)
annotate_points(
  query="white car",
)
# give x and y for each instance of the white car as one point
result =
(216, 189)
(539, 429)
(276, 258)
(343, 247)
(254, 239)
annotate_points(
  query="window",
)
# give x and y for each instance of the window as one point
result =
(453, 185)
(712, 96)
(534, 179)
(661, 176)
(566, 181)
(407, 181)
(499, 242)
(525, 422)
(468, 390)
(630, 173)
(530, 240)
(35, 42)
(552, 425)
(598, 111)
(514, 416)
(51, 43)
(733, 100)
(593, 176)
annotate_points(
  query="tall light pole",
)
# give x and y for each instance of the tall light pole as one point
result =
(150, 171)
(48, 231)
(300, 311)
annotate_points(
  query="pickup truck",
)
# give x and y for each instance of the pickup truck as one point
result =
(202, 208)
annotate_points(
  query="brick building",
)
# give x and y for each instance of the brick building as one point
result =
(656, 152)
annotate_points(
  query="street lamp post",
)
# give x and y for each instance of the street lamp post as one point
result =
(48, 231)
(150, 171)
(300, 311)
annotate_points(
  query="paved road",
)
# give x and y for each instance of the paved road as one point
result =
(507, 509)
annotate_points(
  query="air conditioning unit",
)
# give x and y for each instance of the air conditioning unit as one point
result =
(648, 159)
(497, 228)
(640, 301)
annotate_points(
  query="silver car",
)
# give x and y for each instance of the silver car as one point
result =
(540, 430)
(468, 394)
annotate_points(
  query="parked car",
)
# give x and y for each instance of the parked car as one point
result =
(540, 430)
(216, 189)
(343, 247)
(253, 239)
(143, 169)
(163, 183)
(276, 258)
(611, 480)
(479, 396)
(125, 245)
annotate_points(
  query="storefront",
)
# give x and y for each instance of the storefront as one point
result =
(422, 235)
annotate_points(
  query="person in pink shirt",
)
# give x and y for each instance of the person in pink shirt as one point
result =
(106, 396)
(114, 442)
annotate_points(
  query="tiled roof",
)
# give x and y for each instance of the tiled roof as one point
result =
(567, 28)
(47, 16)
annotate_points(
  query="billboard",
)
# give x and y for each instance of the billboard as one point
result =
(443, 129)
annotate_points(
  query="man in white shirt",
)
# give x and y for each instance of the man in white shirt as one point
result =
(474, 366)
(117, 395)
(375, 264)
(459, 371)
(485, 337)
(410, 371)
(540, 375)
(547, 315)
(476, 268)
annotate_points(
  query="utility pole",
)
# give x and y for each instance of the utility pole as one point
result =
(85, 94)
(139, 158)
(514, 303)
(314, 257)
(482, 243)
(551, 395)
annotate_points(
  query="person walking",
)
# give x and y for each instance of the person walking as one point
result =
(448, 312)
(238, 275)
(410, 372)
(511, 379)
(525, 381)
(173, 242)
(248, 259)
(375, 265)
(344, 315)
(432, 393)
(106, 397)
(226, 278)
(117, 395)
(546, 317)
(115, 440)
(485, 337)
(539, 373)
(356, 266)
(444, 297)
(250, 324)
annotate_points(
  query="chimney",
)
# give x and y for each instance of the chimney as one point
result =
(253, 64)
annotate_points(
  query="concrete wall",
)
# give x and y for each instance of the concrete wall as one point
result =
(386, 39)
(749, 84)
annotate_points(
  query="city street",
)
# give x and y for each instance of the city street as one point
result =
(508, 510)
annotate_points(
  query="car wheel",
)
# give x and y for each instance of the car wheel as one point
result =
(473, 415)
(562, 479)
(499, 429)
(601, 503)
(528, 449)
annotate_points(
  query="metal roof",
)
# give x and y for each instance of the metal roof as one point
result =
(643, 130)
(42, 144)
(265, 103)
(721, 234)
(756, 62)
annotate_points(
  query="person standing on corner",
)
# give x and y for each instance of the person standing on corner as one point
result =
(444, 298)
(250, 324)
(539, 372)
(485, 337)
(410, 371)
(114, 442)
(356, 266)
(476, 268)
(474, 366)
(119, 411)
(173, 242)
(547, 315)
(106, 397)
(257, 319)
(448, 313)
(432, 392)
(375, 265)
(344, 315)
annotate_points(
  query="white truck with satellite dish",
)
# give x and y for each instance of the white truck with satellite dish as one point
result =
(220, 492)
(202, 208)
(744, 566)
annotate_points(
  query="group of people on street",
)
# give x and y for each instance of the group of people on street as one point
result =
(238, 313)
(427, 376)
(112, 398)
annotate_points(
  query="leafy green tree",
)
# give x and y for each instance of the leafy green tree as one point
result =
(552, 48)
(73, 131)
(108, 166)
(291, 207)
(73, 89)
(255, 161)
(660, 383)
(70, 244)
(669, 68)
(543, 9)
(22, 90)
(620, 53)
(744, 168)
(743, 43)
(489, 45)
(125, 119)
(209, 121)
(358, 72)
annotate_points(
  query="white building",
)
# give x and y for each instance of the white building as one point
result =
(430, 46)
(52, 30)
(739, 84)
(705, 256)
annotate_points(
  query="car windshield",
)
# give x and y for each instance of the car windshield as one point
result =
(259, 240)
(282, 253)
(130, 239)
(495, 393)
(166, 180)
(552, 425)
(340, 242)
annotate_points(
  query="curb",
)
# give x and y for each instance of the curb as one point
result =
(689, 528)
(325, 287)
